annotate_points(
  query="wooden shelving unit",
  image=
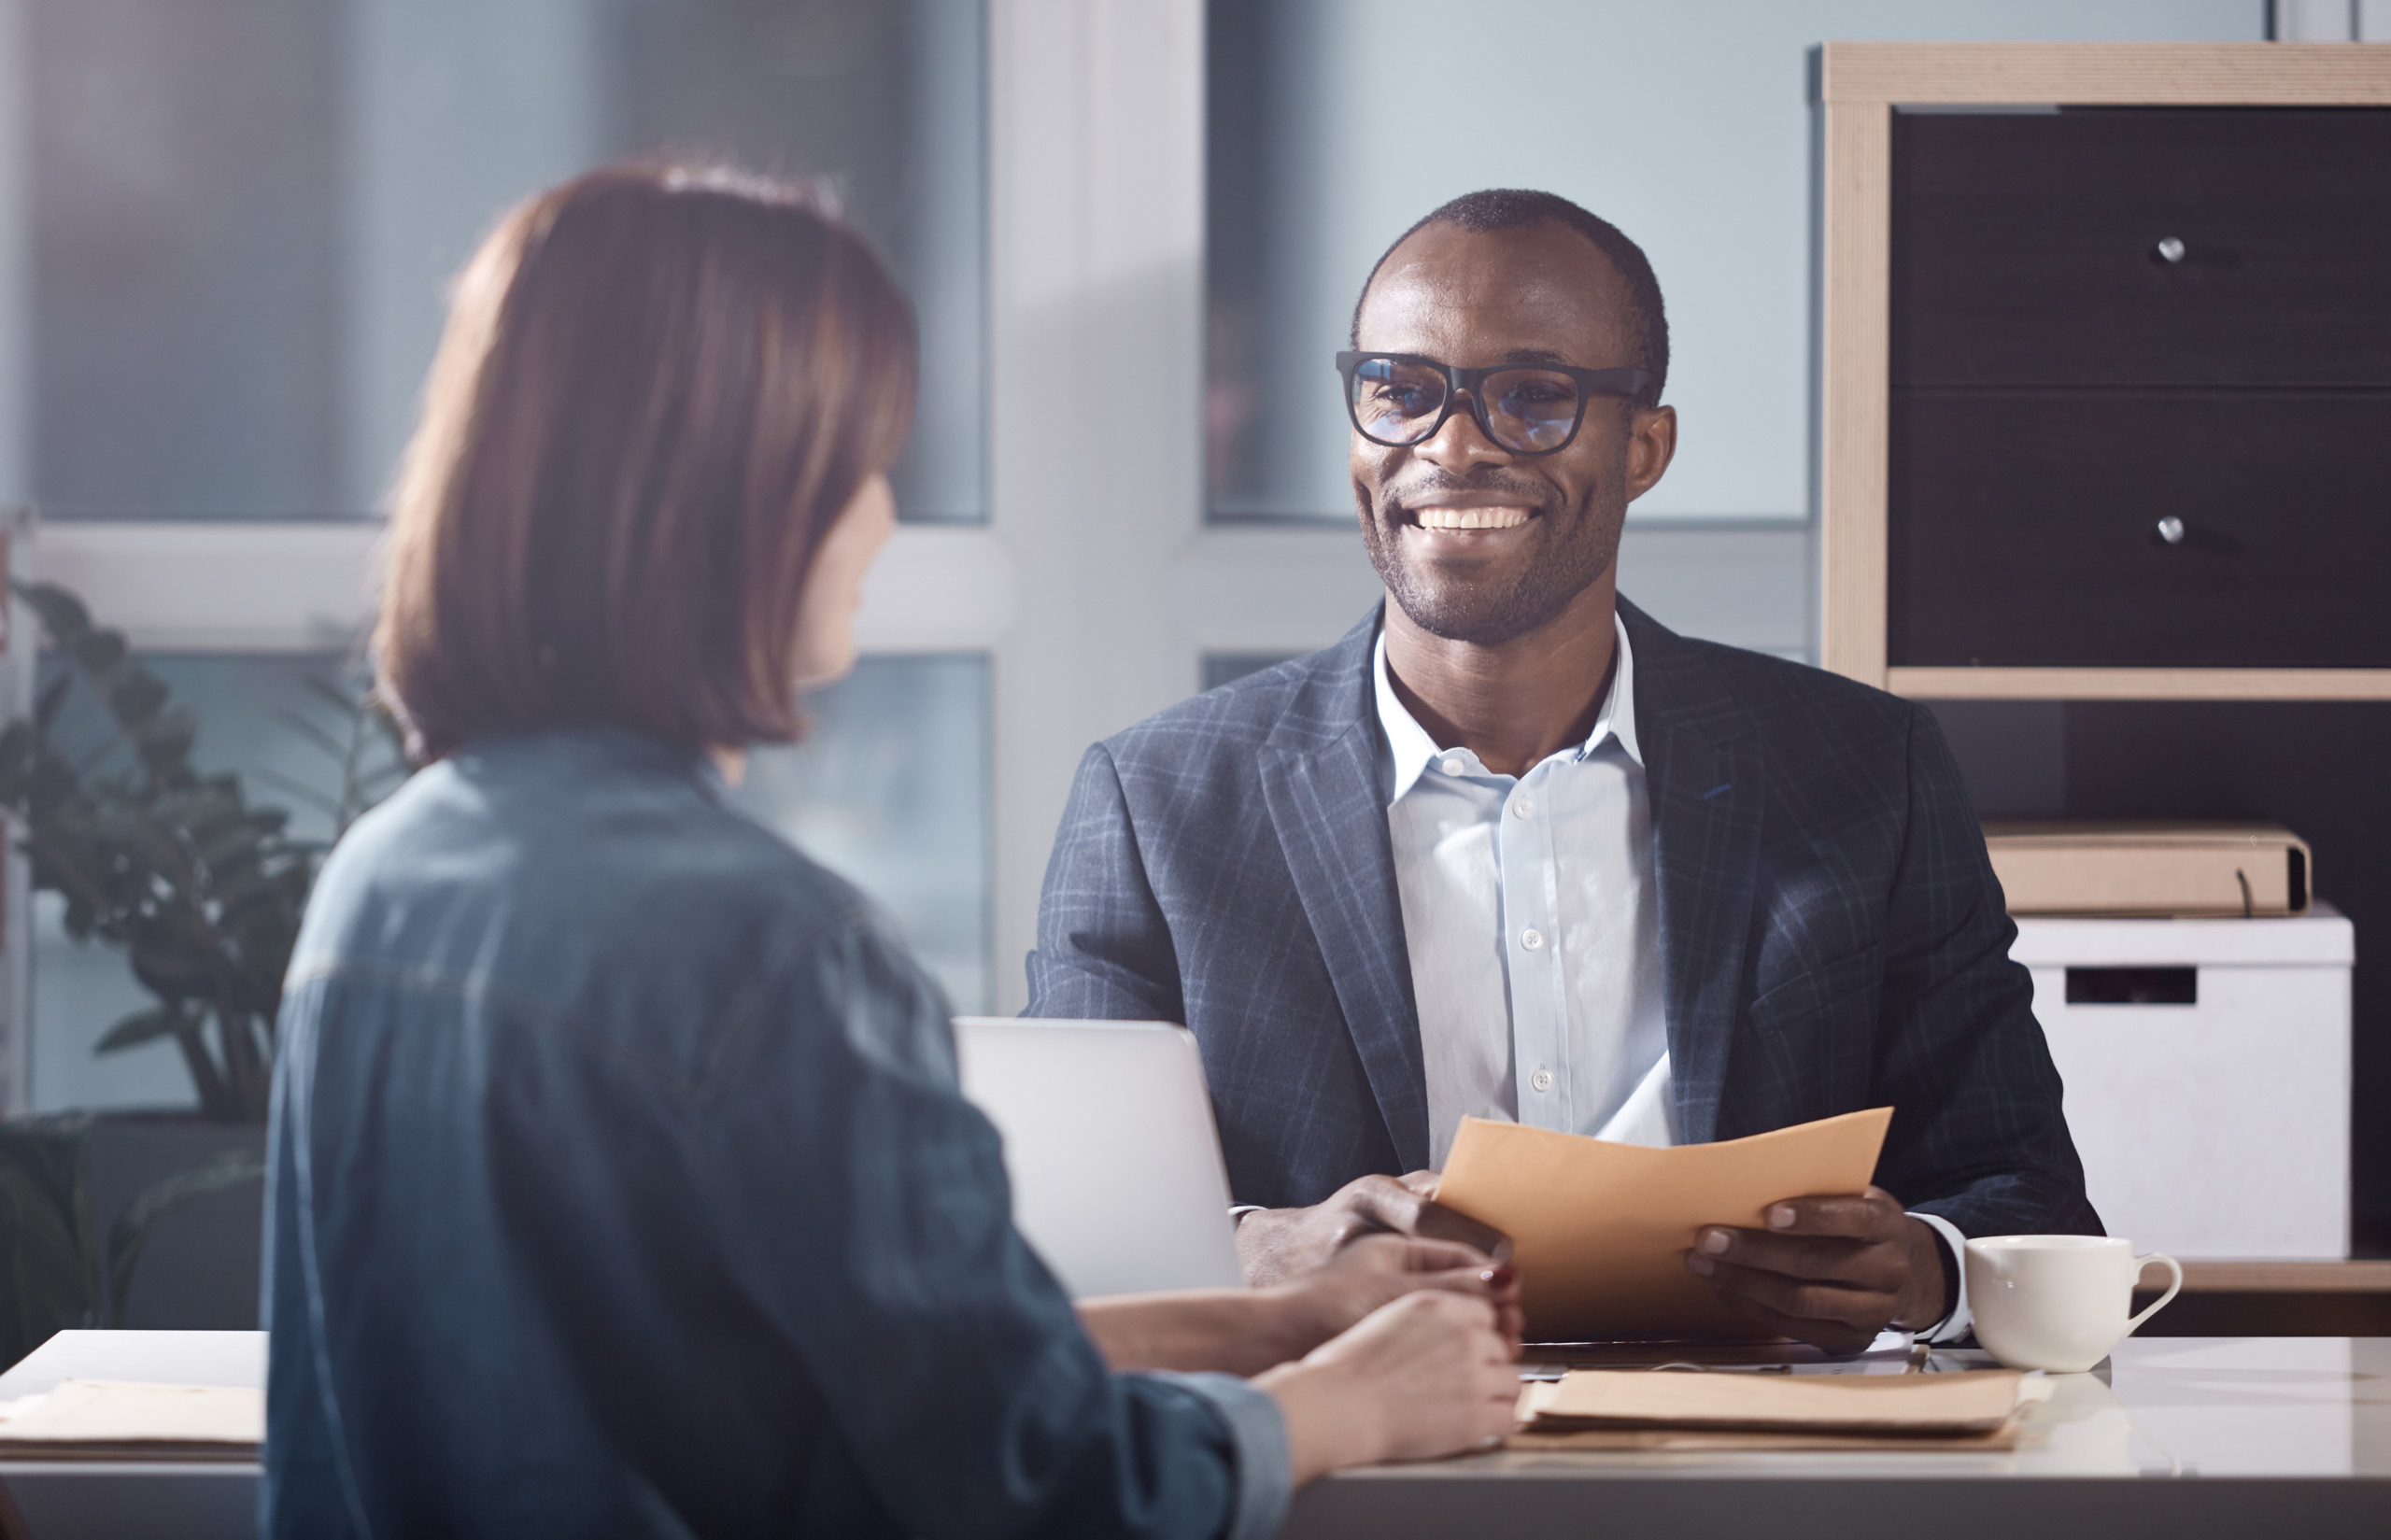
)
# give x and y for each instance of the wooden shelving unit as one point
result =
(1863, 86)
(1860, 84)
(2278, 1277)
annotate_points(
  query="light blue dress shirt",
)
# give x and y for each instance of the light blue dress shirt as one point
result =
(1532, 924)
(1529, 912)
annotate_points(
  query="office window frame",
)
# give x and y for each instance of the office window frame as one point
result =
(1091, 620)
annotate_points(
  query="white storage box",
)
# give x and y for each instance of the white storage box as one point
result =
(2207, 1064)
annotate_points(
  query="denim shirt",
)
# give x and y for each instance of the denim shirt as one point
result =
(620, 1185)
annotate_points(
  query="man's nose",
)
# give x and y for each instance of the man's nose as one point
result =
(1461, 446)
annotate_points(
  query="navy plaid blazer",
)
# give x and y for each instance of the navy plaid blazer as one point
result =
(1832, 934)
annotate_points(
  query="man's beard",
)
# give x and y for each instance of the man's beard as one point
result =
(1573, 548)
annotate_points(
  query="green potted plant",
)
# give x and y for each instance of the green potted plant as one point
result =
(203, 890)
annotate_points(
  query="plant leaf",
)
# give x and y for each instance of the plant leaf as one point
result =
(140, 1027)
(314, 734)
(62, 614)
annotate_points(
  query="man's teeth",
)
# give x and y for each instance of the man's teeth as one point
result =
(1471, 519)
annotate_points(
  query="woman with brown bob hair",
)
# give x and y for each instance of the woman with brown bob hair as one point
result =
(619, 1182)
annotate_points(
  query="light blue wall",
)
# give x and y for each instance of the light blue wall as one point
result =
(1689, 125)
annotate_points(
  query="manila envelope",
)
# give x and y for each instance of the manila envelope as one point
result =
(1599, 1231)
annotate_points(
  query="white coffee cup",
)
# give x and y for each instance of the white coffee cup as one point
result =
(2057, 1302)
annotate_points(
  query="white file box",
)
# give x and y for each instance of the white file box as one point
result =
(2219, 1125)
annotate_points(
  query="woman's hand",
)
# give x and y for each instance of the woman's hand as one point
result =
(1374, 1270)
(1246, 1331)
(1428, 1374)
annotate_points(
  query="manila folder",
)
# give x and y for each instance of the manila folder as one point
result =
(1600, 1231)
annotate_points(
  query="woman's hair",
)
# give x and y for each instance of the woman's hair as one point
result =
(656, 390)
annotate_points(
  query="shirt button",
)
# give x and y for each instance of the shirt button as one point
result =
(1524, 807)
(1541, 1079)
(1453, 767)
(1531, 939)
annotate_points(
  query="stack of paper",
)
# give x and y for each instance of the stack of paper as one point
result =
(1648, 1409)
(116, 1419)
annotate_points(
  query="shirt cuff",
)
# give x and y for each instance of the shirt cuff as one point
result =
(1960, 1320)
(1238, 1211)
(1266, 1477)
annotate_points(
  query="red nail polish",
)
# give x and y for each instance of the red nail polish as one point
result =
(1502, 1276)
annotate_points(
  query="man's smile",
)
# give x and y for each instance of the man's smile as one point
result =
(1508, 516)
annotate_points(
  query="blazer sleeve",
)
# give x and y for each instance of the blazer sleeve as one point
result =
(1977, 1136)
(1104, 949)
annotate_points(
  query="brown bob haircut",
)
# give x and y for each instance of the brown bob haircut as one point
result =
(656, 390)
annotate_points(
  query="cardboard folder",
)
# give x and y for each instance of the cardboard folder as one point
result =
(1600, 1231)
(1971, 1402)
(2247, 870)
(1706, 1413)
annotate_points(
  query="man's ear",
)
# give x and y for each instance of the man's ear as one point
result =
(1651, 443)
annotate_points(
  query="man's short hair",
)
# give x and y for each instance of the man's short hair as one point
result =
(1515, 208)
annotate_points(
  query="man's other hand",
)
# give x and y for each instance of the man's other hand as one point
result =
(1278, 1245)
(1833, 1271)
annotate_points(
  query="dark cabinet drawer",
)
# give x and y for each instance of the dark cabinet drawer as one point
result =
(2024, 528)
(2027, 247)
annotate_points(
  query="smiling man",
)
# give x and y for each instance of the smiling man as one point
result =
(1512, 849)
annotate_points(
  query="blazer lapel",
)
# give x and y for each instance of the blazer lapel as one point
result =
(1704, 775)
(1320, 781)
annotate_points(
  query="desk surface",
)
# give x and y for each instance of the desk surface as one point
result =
(2186, 1435)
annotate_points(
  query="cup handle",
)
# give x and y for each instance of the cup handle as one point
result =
(2175, 1288)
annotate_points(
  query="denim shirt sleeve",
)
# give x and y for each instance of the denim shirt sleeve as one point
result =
(862, 1208)
(1266, 1475)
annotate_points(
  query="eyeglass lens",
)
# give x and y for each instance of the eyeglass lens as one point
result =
(1526, 409)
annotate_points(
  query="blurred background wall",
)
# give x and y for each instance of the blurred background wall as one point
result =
(1134, 231)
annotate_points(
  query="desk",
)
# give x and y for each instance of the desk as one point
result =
(81, 1500)
(2190, 1436)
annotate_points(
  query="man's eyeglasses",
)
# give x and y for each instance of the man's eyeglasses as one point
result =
(1401, 399)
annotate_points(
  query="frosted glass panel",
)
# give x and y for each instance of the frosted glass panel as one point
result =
(892, 791)
(243, 212)
(1689, 126)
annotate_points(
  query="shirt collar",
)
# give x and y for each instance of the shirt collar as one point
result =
(1414, 751)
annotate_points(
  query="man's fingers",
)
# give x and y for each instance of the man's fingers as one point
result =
(1386, 1204)
(1423, 1255)
(1871, 1215)
(1421, 1182)
(1869, 1264)
(1438, 1223)
(1800, 1300)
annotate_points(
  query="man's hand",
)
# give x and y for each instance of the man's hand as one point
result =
(1275, 1245)
(1833, 1271)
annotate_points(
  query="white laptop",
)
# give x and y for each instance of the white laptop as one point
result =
(1110, 1144)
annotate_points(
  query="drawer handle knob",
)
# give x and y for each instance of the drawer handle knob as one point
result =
(2170, 250)
(2170, 529)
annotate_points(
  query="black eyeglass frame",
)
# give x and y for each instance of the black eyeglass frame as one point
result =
(1635, 384)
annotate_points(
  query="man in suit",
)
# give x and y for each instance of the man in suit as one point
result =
(1512, 849)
